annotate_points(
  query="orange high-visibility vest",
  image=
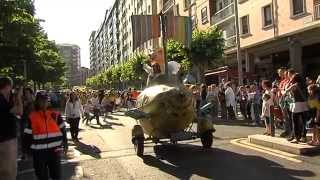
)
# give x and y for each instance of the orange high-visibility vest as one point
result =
(45, 131)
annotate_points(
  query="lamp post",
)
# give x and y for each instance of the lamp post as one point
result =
(239, 59)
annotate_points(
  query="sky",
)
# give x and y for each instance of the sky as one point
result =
(72, 21)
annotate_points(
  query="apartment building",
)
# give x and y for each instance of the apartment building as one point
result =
(200, 11)
(71, 55)
(85, 73)
(112, 43)
(277, 33)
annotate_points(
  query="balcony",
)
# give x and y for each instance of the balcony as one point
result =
(223, 14)
(317, 11)
(230, 42)
(167, 5)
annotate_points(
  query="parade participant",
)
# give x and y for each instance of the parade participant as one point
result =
(44, 136)
(230, 101)
(314, 104)
(266, 112)
(73, 112)
(8, 130)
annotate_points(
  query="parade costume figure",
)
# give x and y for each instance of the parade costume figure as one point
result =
(44, 135)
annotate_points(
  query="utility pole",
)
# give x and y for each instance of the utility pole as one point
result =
(164, 44)
(239, 59)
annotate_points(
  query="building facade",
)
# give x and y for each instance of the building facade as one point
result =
(71, 55)
(277, 33)
(85, 73)
(272, 34)
(112, 43)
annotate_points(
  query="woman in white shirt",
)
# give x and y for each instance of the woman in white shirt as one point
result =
(73, 112)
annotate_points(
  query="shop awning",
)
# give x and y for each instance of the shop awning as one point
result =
(216, 72)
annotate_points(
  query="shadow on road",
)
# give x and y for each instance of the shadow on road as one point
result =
(104, 126)
(113, 123)
(246, 123)
(187, 160)
(111, 117)
(90, 150)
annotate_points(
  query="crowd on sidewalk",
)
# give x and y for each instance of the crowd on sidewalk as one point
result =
(289, 102)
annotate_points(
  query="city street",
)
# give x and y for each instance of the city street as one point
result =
(107, 153)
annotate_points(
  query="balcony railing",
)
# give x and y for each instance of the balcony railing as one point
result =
(167, 5)
(222, 14)
(230, 42)
(317, 11)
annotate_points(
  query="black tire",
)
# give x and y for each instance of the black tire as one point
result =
(207, 139)
(139, 146)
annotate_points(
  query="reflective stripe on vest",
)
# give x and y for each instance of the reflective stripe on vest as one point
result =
(46, 146)
(45, 136)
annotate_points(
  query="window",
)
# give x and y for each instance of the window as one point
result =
(149, 9)
(297, 7)
(267, 16)
(245, 25)
(204, 15)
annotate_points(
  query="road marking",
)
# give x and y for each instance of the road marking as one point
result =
(265, 150)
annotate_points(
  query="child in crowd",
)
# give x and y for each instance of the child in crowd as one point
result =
(266, 112)
(314, 104)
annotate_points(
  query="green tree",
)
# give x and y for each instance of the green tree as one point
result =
(207, 49)
(131, 72)
(176, 51)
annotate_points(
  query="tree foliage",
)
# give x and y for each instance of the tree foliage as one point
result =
(23, 42)
(129, 72)
(207, 49)
(176, 51)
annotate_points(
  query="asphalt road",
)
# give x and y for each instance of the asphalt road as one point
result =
(107, 153)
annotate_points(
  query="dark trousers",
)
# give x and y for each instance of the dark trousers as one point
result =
(47, 163)
(299, 125)
(287, 121)
(243, 108)
(231, 113)
(74, 127)
(223, 111)
(249, 109)
(96, 114)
